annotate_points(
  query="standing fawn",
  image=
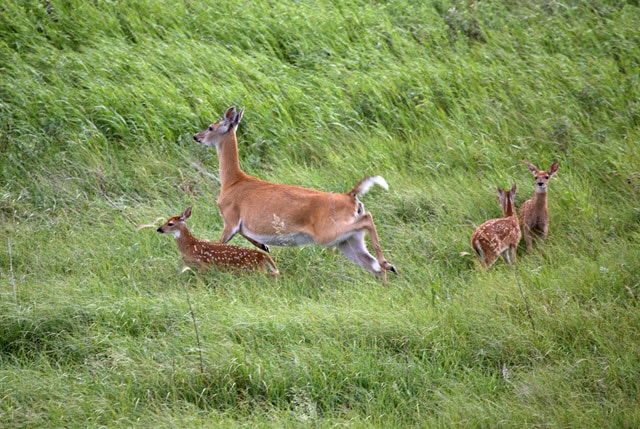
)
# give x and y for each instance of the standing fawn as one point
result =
(202, 254)
(499, 236)
(534, 213)
(267, 213)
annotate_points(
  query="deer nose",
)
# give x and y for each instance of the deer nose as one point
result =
(195, 137)
(160, 230)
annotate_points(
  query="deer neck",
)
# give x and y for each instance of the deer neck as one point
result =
(230, 171)
(509, 210)
(508, 207)
(539, 200)
(184, 238)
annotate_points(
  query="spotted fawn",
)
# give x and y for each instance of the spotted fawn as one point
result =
(203, 254)
(534, 213)
(498, 237)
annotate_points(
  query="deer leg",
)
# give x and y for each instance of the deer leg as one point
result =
(365, 222)
(543, 233)
(506, 257)
(354, 249)
(228, 232)
(259, 245)
(527, 238)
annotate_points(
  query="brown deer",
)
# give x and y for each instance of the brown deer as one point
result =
(267, 213)
(534, 213)
(203, 254)
(499, 236)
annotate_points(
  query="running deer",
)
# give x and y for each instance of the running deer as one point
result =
(267, 213)
(203, 254)
(534, 213)
(499, 236)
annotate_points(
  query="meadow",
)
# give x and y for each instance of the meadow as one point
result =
(446, 99)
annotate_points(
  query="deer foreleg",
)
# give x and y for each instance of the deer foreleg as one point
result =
(228, 232)
(526, 232)
(259, 245)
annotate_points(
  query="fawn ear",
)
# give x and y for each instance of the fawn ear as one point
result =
(185, 215)
(513, 190)
(532, 168)
(552, 170)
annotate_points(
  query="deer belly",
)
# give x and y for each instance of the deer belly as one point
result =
(285, 240)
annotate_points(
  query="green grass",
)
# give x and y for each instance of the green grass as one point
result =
(445, 99)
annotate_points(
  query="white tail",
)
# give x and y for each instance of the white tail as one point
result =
(204, 254)
(534, 213)
(500, 236)
(283, 215)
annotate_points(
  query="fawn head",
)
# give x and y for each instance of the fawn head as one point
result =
(175, 223)
(507, 200)
(212, 135)
(542, 177)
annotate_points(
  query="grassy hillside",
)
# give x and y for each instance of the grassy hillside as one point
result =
(99, 101)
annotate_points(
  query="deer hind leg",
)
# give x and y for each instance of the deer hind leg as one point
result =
(513, 251)
(489, 259)
(509, 256)
(355, 249)
(365, 222)
(482, 257)
(268, 262)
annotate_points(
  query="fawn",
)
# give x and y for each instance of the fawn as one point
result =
(498, 236)
(202, 254)
(268, 213)
(534, 213)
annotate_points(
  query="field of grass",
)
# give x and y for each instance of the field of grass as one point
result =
(445, 99)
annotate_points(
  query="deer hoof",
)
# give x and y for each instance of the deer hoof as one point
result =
(388, 267)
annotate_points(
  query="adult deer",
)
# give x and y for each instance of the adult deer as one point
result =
(268, 213)
(203, 254)
(498, 236)
(534, 213)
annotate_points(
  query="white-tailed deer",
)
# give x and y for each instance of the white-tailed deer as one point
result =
(499, 236)
(267, 213)
(203, 254)
(534, 213)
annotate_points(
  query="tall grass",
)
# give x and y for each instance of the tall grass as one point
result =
(445, 99)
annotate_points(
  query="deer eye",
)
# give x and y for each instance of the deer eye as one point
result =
(170, 224)
(210, 128)
(546, 177)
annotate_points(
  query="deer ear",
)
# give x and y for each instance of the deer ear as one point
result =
(230, 113)
(238, 117)
(186, 214)
(532, 168)
(552, 170)
(232, 119)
